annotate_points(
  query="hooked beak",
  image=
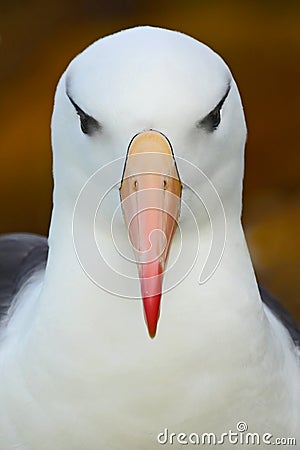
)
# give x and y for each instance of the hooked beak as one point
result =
(151, 193)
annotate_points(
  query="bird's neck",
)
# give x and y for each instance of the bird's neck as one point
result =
(89, 300)
(81, 332)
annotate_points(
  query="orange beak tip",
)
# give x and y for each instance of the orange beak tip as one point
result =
(151, 311)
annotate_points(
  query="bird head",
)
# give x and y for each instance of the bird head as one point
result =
(151, 99)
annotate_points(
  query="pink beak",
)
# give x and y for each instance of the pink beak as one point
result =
(151, 195)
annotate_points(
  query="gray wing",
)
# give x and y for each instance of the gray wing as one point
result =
(280, 312)
(21, 254)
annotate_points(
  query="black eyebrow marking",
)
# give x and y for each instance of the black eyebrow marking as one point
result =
(78, 109)
(212, 120)
(88, 123)
(221, 102)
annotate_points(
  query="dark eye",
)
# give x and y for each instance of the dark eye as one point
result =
(87, 123)
(213, 119)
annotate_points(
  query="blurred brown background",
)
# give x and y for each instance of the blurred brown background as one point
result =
(260, 41)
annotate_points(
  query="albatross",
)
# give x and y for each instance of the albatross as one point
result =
(148, 136)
